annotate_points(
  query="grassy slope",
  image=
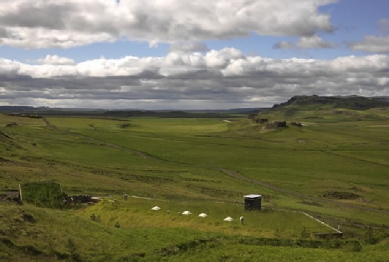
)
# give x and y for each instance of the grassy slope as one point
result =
(302, 160)
(325, 155)
(30, 233)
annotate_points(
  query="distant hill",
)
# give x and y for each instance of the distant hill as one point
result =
(329, 108)
(9, 109)
(46, 111)
(346, 102)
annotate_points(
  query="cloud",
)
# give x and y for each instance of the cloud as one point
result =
(48, 24)
(372, 44)
(284, 45)
(312, 42)
(217, 79)
(56, 60)
(384, 25)
(188, 47)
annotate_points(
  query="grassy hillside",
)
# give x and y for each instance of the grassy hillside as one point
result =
(129, 232)
(334, 167)
(321, 108)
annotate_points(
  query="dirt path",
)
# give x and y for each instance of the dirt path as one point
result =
(49, 124)
(231, 173)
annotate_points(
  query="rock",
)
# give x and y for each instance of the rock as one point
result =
(296, 124)
(261, 120)
(276, 124)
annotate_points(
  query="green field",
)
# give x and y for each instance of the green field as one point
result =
(335, 168)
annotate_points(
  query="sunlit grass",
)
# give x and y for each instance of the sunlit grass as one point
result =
(181, 165)
(135, 213)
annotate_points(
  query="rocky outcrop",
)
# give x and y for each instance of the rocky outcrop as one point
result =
(261, 120)
(276, 124)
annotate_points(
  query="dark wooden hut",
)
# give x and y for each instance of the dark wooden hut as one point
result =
(252, 202)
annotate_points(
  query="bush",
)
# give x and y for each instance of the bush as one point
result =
(43, 194)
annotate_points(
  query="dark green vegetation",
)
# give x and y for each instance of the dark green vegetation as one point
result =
(42, 194)
(333, 167)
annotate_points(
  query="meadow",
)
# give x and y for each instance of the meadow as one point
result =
(334, 167)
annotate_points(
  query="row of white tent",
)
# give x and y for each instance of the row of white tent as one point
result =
(203, 215)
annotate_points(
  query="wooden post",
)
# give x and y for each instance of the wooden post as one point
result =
(20, 193)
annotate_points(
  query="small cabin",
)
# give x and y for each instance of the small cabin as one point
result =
(252, 202)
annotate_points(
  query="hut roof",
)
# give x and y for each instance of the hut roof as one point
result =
(252, 196)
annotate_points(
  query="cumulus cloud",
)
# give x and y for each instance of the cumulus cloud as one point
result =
(311, 42)
(372, 44)
(51, 23)
(217, 79)
(56, 60)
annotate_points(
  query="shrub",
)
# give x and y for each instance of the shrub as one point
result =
(43, 194)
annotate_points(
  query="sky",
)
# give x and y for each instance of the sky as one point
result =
(177, 54)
